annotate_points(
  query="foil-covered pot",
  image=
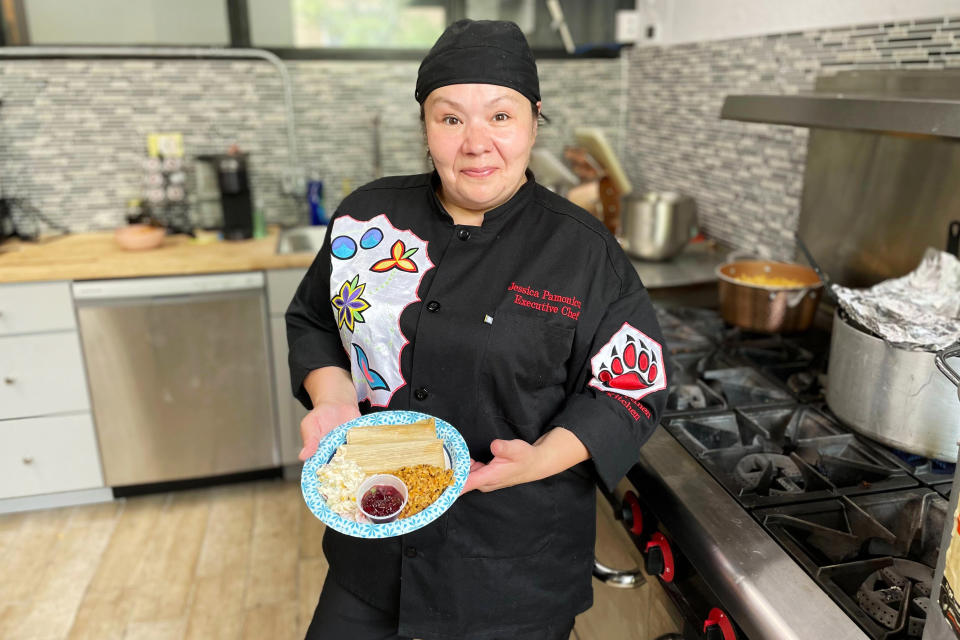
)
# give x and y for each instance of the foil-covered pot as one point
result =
(892, 394)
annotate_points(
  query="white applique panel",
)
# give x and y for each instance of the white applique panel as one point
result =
(630, 364)
(375, 272)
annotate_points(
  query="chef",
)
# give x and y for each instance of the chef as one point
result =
(475, 295)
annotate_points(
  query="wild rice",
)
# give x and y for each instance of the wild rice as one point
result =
(425, 483)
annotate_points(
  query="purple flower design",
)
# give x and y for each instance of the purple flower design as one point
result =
(348, 303)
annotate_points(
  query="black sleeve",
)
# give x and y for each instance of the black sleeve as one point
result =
(312, 333)
(612, 423)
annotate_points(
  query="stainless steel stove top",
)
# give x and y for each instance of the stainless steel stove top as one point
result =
(801, 527)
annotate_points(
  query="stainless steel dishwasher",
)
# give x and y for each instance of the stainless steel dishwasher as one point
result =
(179, 375)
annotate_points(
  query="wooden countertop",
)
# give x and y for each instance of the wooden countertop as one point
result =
(93, 256)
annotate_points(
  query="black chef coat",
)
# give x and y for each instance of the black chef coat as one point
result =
(532, 320)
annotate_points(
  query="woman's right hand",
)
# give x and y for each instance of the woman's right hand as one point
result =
(321, 420)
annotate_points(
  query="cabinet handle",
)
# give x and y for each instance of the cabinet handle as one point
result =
(8, 380)
(28, 460)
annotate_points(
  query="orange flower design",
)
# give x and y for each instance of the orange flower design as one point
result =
(400, 259)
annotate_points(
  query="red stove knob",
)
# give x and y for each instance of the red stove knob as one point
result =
(632, 513)
(659, 560)
(717, 626)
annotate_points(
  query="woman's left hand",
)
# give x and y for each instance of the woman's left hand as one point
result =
(517, 461)
(513, 462)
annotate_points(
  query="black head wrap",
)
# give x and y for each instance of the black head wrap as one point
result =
(480, 52)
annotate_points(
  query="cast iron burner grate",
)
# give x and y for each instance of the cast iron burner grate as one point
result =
(744, 387)
(770, 455)
(769, 474)
(681, 336)
(872, 554)
(898, 596)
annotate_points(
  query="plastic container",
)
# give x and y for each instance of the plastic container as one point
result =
(318, 215)
(382, 479)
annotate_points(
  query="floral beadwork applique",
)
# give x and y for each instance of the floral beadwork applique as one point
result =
(399, 259)
(373, 378)
(349, 304)
(368, 306)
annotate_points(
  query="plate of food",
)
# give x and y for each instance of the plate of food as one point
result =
(385, 474)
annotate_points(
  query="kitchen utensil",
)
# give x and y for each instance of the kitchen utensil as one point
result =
(942, 619)
(892, 395)
(657, 226)
(139, 237)
(827, 285)
(454, 447)
(615, 184)
(768, 308)
(941, 358)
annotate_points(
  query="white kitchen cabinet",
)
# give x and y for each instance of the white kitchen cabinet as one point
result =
(47, 455)
(41, 374)
(281, 285)
(35, 307)
(47, 440)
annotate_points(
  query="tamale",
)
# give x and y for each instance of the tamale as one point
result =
(425, 429)
(384, 457)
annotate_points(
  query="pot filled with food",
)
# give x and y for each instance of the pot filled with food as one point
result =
(768, 296)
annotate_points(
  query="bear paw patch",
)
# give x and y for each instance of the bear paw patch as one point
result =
(630, 364)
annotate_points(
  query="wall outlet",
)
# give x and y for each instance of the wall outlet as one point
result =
(628, 26)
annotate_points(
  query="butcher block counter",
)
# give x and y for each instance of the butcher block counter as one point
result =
(92, 256)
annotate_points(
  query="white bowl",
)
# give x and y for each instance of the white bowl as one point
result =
(382, 479)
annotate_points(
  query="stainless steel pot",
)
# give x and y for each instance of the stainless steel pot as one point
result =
(657, 226)
(892, 395)
(766, 308)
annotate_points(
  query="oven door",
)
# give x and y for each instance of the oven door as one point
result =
(627, 604)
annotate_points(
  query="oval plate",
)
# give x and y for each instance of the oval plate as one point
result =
(453, 445)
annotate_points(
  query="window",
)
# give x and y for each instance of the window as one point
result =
(346, 24)
(124, 22)
(373, 29)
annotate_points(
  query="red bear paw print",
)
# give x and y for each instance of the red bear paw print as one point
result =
(636, 368)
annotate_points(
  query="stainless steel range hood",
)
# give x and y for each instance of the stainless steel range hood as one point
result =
(876, 101)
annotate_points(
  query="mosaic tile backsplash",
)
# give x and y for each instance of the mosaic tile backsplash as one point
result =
(73, 132)
(747, 178)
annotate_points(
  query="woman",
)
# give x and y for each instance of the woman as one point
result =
(476, 295)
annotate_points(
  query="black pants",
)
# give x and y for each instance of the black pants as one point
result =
(340, 614)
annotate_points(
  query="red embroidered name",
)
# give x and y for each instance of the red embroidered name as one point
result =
(565, 305)
(631, 405)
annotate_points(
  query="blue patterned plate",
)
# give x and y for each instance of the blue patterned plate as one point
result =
(454, 448)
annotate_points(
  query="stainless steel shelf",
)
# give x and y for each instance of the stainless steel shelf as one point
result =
(928, 117)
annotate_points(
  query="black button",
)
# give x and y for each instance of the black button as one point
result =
(463, 234)
(421, 393)
(433, 306)
(410, 552)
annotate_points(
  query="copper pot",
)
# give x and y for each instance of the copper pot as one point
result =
(768, 308)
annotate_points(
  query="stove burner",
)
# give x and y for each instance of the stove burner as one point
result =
(688, 397)
(898, 595)
(769, 474)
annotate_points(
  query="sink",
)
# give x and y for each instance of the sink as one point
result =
(301, 240)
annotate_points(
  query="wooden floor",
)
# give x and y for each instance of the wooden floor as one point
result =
(233, 562)
(238, 562)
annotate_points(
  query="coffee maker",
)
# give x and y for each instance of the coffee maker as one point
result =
(223, 191)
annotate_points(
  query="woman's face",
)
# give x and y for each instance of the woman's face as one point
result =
(480, 137)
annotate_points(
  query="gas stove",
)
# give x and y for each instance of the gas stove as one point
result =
(831, 512)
